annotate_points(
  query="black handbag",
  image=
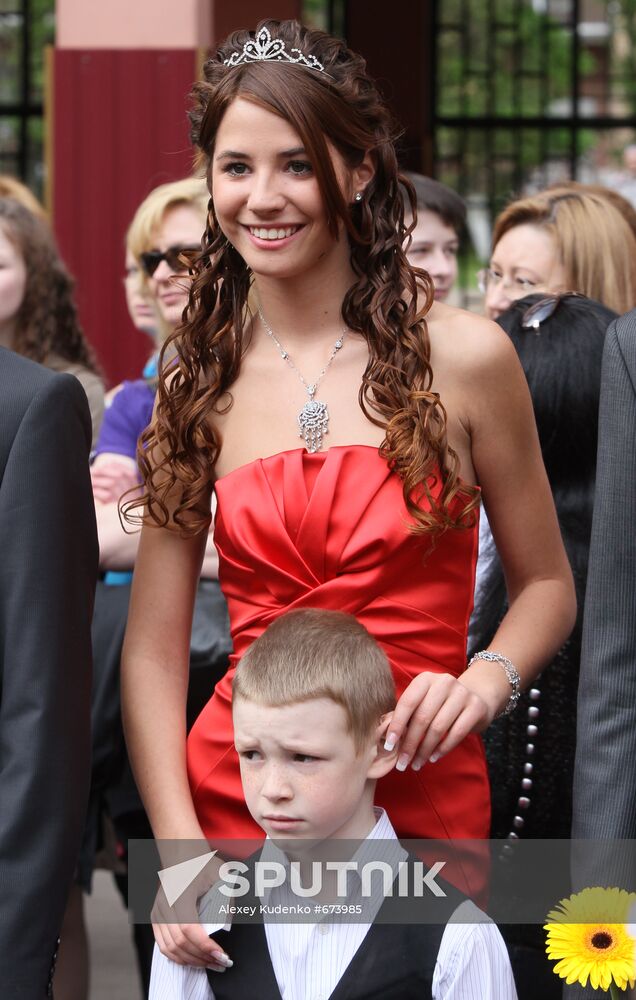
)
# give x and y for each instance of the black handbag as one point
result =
(109, 625)
(210, 640)
(210, 648)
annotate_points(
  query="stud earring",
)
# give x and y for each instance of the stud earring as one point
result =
(358, 196)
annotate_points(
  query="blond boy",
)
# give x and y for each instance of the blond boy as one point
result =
(312, 699)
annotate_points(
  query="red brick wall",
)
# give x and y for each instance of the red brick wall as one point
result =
(119, 128)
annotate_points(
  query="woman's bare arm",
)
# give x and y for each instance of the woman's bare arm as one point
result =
(518, 500)
(155, 668)
(489, 398)
(112, 476)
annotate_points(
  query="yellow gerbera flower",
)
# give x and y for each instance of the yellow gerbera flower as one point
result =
(587, 935)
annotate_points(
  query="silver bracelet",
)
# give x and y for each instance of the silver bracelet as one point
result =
(511, 673)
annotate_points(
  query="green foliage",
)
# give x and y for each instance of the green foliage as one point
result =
(322, 14)
(41, 28)
(42, 34)
(625, 22)
(314, 13)
(515, 64)
(502, 59)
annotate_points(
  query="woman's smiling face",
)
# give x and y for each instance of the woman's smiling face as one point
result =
(266, 195)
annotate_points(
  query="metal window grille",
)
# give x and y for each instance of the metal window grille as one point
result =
(26, 26)
(326, 14)
(528, 93)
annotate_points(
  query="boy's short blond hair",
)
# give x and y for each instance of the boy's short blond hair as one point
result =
(313, 653)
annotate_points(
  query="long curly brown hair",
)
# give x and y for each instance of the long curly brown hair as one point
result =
(47, 322)
(343, 107)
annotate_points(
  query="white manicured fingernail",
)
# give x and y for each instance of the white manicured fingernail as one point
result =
(403, 762)
(390, 742)
(416, 765)
(434, 757)
(223, 959)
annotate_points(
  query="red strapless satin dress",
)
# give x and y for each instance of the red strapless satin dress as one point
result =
(329, 530)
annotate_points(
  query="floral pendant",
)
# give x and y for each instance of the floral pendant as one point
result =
(313, 421)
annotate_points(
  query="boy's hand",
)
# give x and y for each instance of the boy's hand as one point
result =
(433, 715)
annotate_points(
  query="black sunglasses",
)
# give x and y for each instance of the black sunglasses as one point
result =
(538, 312)
(173, 256)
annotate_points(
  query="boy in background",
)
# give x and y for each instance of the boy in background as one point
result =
(312, 699)
(435, 241)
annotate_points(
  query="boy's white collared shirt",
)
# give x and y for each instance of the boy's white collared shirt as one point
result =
(310, 959)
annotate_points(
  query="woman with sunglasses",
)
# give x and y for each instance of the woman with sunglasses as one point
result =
(343, 419)
(559, 340)
(562, 239)
(167, 224)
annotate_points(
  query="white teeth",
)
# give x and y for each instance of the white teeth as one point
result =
(273, 234)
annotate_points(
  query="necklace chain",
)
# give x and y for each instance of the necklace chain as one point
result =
(313, 419)
(310, 387)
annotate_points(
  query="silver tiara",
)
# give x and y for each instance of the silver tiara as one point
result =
(264, 48)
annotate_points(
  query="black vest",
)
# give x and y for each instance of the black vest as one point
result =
(394, 961)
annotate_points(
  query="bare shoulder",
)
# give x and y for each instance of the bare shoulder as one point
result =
(468, 345)
(479, 378)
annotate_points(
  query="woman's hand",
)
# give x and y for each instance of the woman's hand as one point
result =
(111, 478)
(433, 715)
(188, 944)
(178, 939)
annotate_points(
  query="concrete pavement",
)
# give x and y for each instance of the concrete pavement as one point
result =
(113, 969)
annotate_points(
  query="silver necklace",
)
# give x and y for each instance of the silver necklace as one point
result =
(313, 419)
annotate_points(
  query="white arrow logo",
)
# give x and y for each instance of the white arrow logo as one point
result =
(176, 879)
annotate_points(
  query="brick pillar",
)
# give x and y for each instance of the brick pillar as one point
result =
(116, 114)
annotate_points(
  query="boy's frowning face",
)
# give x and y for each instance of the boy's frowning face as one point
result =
(302, 774)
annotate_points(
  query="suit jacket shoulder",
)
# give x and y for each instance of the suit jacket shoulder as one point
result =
(604, 778)
(48, 566)
(21, 382)
(621, 337)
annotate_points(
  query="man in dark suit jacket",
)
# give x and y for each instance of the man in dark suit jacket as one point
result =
(605, 771)
(48, 566)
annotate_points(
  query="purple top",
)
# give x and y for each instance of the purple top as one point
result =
(127, 416)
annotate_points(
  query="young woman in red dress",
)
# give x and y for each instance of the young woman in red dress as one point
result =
(306, 318)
